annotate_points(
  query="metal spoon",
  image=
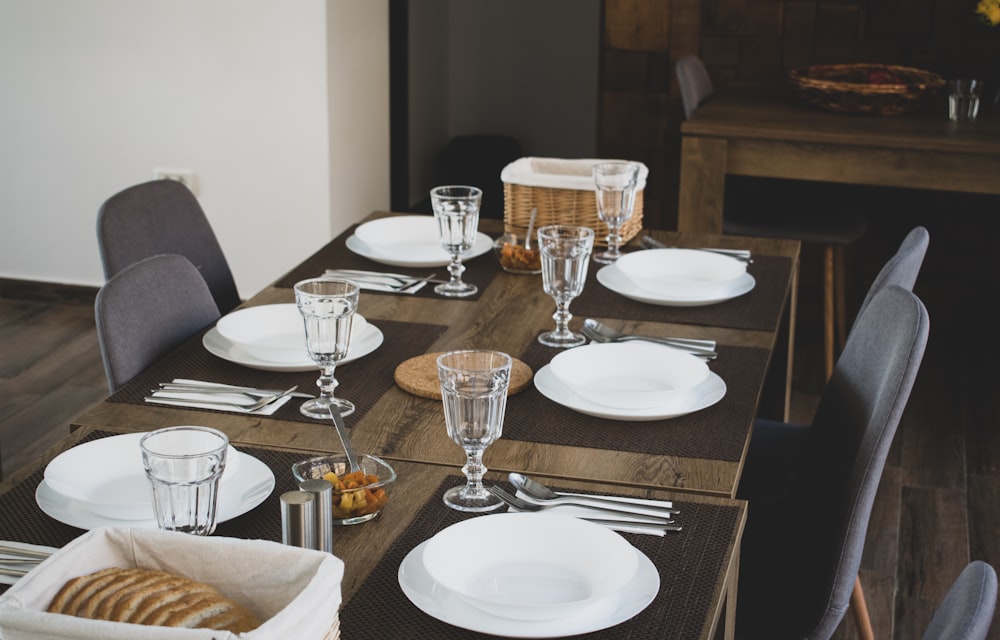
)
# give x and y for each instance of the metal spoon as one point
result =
(338, 422)
(531, 226)
(600, 332)
(540, 492)
(608, 511)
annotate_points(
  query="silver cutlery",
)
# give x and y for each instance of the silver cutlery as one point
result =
(394, 281)
(338, 422)
(211, 387)
(38, 556)
(256, 406)
(600, 332)
(541, 493)
(14, 573)
(607, 511)
(739, 254)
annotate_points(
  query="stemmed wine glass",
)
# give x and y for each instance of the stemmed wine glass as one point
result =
(327, 306)
(456, 209)
(615, 183)
(474, 393)
(565, 254)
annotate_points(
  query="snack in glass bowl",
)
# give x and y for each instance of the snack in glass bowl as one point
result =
(514, 257)
(357, 496)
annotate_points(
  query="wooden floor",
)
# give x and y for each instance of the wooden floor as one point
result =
(939, 501)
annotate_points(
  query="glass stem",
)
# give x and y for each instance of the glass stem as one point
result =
(326, 382)
(456, 268)
(562, 316)
(474, 470)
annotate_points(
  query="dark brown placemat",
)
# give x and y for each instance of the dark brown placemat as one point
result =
(760, 309)
(479, 271)
(689, 563)
(362, 381)
(718, 432)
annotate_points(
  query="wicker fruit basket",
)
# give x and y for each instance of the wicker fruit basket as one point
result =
(877, 89)
(563, 192)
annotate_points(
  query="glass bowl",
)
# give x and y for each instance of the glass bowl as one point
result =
(514, 258)
(355, 499)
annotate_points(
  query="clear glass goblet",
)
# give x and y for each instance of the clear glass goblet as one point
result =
(327, 306)
(614, 185)
(456, 209)
(565, 255)
(474, 393)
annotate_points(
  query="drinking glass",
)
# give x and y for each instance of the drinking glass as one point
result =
(184, 465)
(565, 255)
(456, 209)
(615, 183)
(474, 392)
(327, 306)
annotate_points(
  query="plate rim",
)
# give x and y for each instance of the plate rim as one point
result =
(212, 338)
(606, 275)
(481, 246)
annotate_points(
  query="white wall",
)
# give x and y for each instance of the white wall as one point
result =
(250, 94)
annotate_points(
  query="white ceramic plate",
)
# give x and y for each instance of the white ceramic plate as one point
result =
(408, 241)
(370, 340)
(442, 604)
(701, 396)
(684, 273)
(250, 486)
(273, 332)
(556, 576)
(612, 278)
(107, 476)
(628, 374)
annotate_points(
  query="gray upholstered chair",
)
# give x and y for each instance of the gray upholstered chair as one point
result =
(810, 212)
(806, 529)
(163, 216)
(904, 266)
(966, 612)
(147, 310)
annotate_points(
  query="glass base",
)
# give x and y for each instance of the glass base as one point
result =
(461, 499)
(456, 289)
(562, 339)
(607, 257)
(319, 408)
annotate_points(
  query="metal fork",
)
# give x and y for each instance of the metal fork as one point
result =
(248, 408)
(633, 517)
(402, 282)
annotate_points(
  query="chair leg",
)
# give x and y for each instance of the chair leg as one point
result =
(860, 609)
(840, 284)
(828, 309)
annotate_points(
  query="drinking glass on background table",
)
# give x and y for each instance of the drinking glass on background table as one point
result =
(327, 306)
(474, 393)
(963, 99)
(614, 185)
(184, 465)
(456, 209)
(565, 255)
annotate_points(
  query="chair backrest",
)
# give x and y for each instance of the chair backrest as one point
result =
(163, 216)
(967, 609)
(807, 545)
(902, 268)
(147, 310)
(694, 83)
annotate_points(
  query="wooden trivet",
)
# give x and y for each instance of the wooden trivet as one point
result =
(419, 376)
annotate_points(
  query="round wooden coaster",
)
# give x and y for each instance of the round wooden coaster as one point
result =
(419, 376)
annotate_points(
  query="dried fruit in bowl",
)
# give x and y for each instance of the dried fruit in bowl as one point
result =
(352, 496)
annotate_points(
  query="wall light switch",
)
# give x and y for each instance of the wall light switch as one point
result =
(185, 176)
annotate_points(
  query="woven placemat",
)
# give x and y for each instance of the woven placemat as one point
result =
(689, 563)
(362, 381)
(479, 271)
(718, 432)
(759, 310)
(419, 376)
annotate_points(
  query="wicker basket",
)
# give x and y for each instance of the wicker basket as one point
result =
(563, 192)
(877, 89)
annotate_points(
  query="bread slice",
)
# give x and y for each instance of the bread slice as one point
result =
(146, 596)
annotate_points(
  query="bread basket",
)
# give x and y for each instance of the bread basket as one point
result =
(876, 89)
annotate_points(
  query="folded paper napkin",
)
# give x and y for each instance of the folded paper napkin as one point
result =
(295, 591)
(195, 400)
(621, 522)
(19, 566)
(559, 173)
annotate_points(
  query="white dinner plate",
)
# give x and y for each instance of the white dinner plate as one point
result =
(612, 278)
(701, 396)
(252, 484)
(438, 602)
(273, 332)
(370, 340)
(682, 273)
(408, 241)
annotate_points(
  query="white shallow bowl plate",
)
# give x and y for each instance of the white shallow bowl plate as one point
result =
(369, 340)
(701, 396)
(273, 332)
(612, 278)
(408, 241)
(438, 602)
(252, 483)
(558, 574)
(626, 375)
(681, 272)
(108, 477)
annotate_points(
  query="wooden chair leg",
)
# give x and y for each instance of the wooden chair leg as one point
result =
(828, 309)
(840, 284)
(860, 609)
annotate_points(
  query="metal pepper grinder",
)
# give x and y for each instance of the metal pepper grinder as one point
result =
(322, 492)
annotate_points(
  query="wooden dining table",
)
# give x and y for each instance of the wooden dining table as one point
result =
(768, 132)
(694, 460)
